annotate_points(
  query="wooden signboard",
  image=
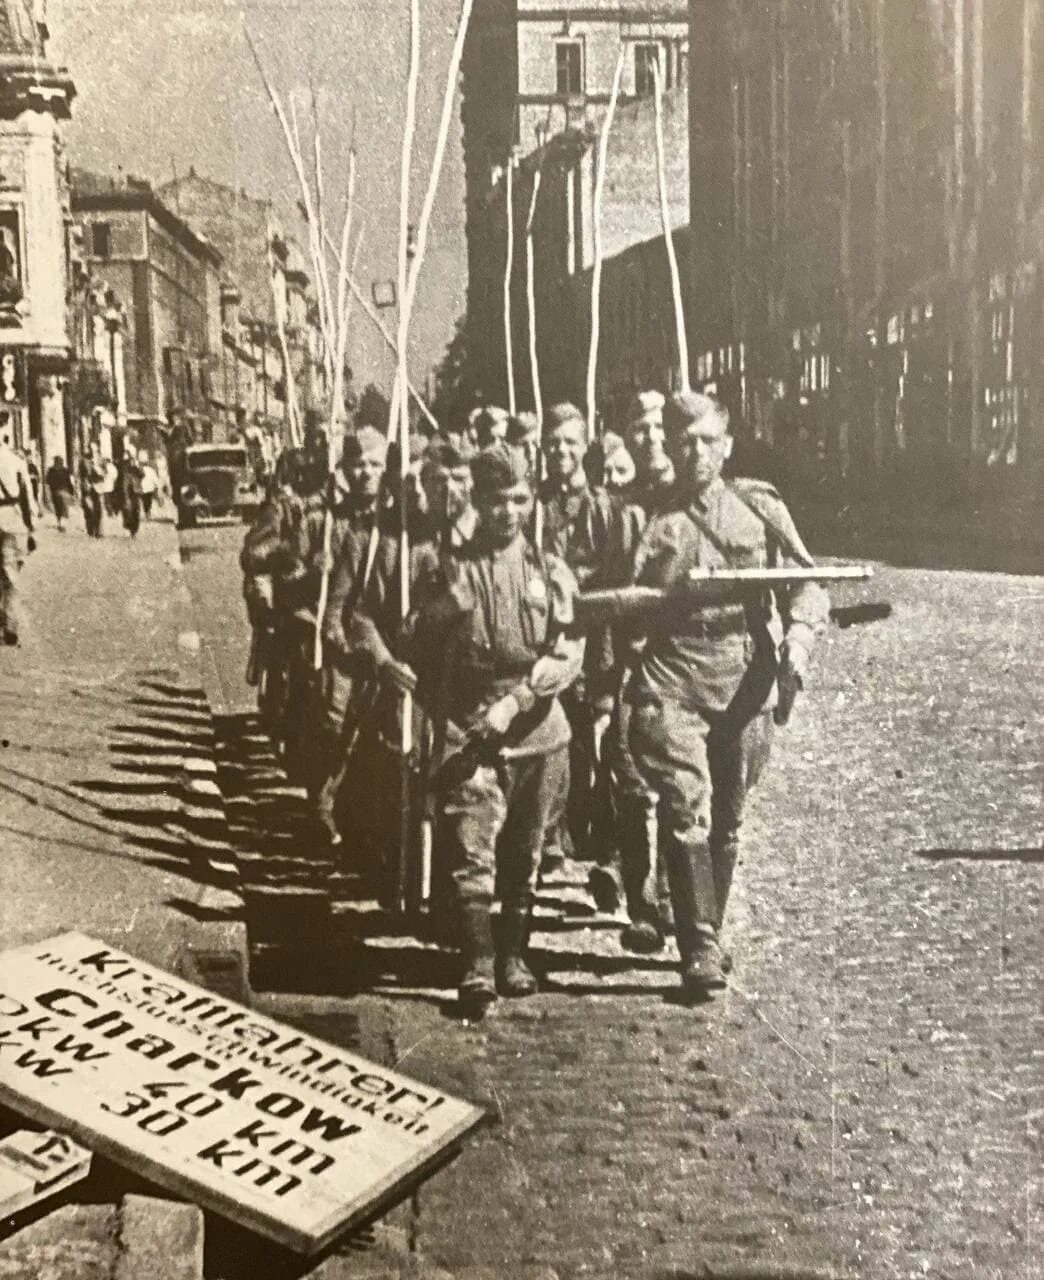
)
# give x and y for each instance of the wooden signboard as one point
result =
(290, 1136)
(35, 1166)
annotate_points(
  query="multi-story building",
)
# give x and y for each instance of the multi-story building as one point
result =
(266, 269)
(867, 225)
(537, 81)
(35, 97)
(158, 320)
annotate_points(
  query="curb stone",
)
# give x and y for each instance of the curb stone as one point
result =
(159, 1240)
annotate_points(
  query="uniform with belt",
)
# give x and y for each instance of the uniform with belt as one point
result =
(490, 631)
(704, 686)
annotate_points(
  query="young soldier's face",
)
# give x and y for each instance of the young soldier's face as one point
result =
(619, 470)
(703, 448)
(503, 512)
(447, 491)
(365, 472)
(566, 449)
(648, 444)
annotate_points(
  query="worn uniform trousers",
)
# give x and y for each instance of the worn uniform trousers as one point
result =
(700, 765)
(491, 826)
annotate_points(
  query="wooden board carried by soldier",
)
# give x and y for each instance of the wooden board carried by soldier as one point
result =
(288, 1135)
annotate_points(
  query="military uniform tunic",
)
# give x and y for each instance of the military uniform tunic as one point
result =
(491, 622)
(704, 685)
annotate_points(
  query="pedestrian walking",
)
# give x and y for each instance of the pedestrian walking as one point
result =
(17, 521)
(706, 682)
(129, 493)
(92, 491)
(149, 484)
(110, 487)
(60, 486)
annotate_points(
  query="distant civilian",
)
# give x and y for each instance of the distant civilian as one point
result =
(60, 487)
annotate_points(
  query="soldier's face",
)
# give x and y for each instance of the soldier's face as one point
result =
(566, 449)
(648, 443)
(502, 512)
(447, 490)
(619, 470)
(703, 448)
(365, 472)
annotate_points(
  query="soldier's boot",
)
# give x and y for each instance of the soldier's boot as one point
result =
(692, 893)
(645, 933)
(478, 984)
(514, 976)
(724, 854)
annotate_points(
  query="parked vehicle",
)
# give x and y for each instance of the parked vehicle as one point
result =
(217, 480)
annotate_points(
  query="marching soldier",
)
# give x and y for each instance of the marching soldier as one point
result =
(269, 563)
(577, 526)
(705, 683)
(627, 854)
(445, 477)
(355, 505)
(491, 649)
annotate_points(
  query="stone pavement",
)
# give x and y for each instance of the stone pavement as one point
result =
(865, 1100)
(105, 747)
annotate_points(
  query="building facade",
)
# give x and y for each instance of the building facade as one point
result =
(35, 97)
(537, 81)
(156, 321)
(265, 269)
(867, 218)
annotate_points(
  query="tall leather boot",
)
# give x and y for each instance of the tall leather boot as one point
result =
(692, 893)
(514, 977)
(723, 859)
(477, 985)
(637, 858)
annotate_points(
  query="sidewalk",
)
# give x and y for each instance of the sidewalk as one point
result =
(100, 714)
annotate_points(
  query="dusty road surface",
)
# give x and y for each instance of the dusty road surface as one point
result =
(865, 1101)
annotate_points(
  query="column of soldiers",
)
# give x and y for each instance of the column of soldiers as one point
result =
(529, 731)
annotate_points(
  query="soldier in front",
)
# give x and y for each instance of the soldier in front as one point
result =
(705, 684)
(493, 656)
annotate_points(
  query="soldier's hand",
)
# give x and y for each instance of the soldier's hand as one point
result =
(794, 663)
(398, 676)
(496, 720)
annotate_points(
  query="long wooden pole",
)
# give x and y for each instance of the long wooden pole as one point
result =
(438, 158)
(509, 268)
(668, 232)
(401, 399)
(337, 359)
(596, 270)
(534, 360)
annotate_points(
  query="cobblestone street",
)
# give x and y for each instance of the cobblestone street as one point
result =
(865, 1100)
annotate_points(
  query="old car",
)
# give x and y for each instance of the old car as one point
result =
(217, 480)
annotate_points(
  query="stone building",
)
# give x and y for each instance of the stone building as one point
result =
(35, 97)
(266, 269)
(158, 322)
(867, 212)
(537, 81)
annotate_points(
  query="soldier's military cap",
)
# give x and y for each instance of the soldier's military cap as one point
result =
(685, 407)
(364, 439)
(500, 466)
(644, 403)
(521, 427)
(444, 455)
(559, 414)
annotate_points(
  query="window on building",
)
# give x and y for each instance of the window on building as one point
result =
(647, 53)
(569, 67)
(101, 240)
